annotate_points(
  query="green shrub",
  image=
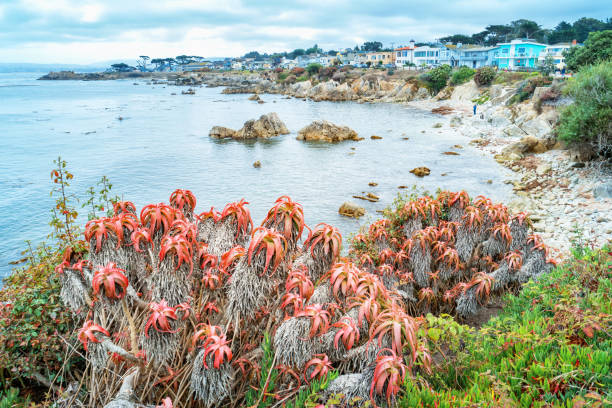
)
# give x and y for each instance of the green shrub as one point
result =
(588, 119)
(282, 76)
(301, 78)
(549, 347)
(313, 69)
(597, 48)
(462, 75)
(484, 75)
(437, 78)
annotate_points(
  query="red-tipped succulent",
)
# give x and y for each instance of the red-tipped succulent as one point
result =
(112, 279)
(348, 332)
(321, 366)
(272, 243)
(181, 198)
(288, 213)
(161, 316)
(87, 333)
(326, 235)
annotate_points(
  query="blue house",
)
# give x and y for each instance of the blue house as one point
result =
(521, 53)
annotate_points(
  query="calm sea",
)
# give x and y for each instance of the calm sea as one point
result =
(162, 144)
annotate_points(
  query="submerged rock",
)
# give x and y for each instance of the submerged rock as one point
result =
(324, 131)
(420, 171)
(221, 132)
(350, 209)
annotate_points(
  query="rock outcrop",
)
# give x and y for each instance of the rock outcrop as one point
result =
(349, 209)
(324, 131)
(265, 127)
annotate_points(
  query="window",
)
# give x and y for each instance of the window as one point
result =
(419, 54)
(557, 61)
(505, 51)
(405, 53)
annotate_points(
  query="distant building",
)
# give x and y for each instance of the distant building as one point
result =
(520, 53)
(195, 66)
(404, 55)
(426, 56)
(476, 57)
(556, 52)
(380, 58)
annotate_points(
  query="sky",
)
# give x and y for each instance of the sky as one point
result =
(90, 31)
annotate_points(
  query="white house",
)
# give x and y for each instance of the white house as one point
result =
(556, 52)
(404, 55)
(426, 56)
(476, 57)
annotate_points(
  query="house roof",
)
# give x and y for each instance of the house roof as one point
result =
(403, 48)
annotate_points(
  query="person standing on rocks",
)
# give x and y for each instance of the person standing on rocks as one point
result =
(475, 105)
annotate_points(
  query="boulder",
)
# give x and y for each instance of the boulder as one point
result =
(254, 97)
(263, 128)
(420, 171)
(465, 92)
(514, 131)
(374, 137)
(349, 209)
(421, 94)
(603, 190)
(543, 169)
(221, 132)
(324, 131)
(257, 164)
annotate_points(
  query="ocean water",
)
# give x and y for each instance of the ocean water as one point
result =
(162, 144)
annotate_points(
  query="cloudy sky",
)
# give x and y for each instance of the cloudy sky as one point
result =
(88, 31)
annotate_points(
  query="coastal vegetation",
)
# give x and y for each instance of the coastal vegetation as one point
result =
(180, 304)
(588, 119)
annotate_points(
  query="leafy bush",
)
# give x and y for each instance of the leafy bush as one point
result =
(484, 75)
(302, 78)
(297, 71)
(588, 119)
(549, 346)
(437, 78)
(283, 75)
(462, 75)
(597, 48)
(313, 69)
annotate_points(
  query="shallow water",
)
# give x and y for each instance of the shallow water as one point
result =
(163, 144)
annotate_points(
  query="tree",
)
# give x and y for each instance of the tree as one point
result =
(158, 62)
(183, 59)
(314, 50)
(597, 48)
(498, 33)
(313, 68)
(547, 66)
(563, 32)
(525, 28)
(582, 27)
(332, 52)
(438, 77)
(252, 54)
(371, 46)
(122, 67)
(456, 38)
(142, 62)
(479, 38)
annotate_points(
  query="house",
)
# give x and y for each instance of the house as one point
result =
(556, 52)
(476, 57)
(404, 55)
(426, 56)
(237, 64)
(519, 54)
(380, 58)
(195, 66)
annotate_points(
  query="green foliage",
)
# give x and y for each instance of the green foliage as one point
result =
(35, 327)
(511, 77)
(482, 98)
(261, 397)
(11, 399)
(301, 78)
(588, 119)
(547, 66)
(308, 396)
(484, 75)
(550, 346)
(527, 87)
(597, 48)
(462, 75)
(282, 76)
(64, 213)
(437, 78)
(313, 69)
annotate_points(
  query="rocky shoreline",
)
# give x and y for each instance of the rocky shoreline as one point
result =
(568, 196)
